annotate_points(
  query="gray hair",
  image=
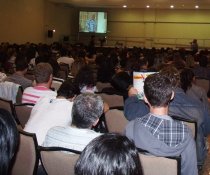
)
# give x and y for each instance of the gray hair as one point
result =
(87, 108)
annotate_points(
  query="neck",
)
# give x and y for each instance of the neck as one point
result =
(44, 84)
(20, 73)
(159, 110)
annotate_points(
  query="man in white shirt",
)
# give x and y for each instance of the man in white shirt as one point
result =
(50, 112)
(87, 109)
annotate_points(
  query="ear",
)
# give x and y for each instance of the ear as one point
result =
(51, 76)
(95, 123)
(145, 99)
(172, 95)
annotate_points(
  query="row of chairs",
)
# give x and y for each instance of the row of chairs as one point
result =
(57, 160)
(21, 112)
(115, 121)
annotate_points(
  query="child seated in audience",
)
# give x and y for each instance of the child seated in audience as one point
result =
(109, 154)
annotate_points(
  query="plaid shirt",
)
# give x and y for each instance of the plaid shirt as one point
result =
(171, 132)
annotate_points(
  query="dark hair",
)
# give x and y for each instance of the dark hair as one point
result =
(9, 139)
(109, 154)
(42, 72)
(21, 63)
(85, 77)
(186, 78)
(158, 89)
(173, 74)
(86, 110)
(203, 61)
(68, 89)
(121, 81)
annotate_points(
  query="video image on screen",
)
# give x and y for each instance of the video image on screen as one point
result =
(95, 22)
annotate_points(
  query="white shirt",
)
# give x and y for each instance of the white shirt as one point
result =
(69, 137)
(47, 113)
(66, 60)
(33, 94)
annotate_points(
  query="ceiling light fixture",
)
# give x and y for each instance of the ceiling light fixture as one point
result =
(196, 6)
(148, 6)
(172, 6)
(124, 6)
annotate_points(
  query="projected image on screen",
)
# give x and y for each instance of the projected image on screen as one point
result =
(93, 22)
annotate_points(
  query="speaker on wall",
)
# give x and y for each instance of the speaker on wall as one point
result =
(50, 33)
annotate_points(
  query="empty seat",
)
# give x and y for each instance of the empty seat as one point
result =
(26, 160)
(57, 160)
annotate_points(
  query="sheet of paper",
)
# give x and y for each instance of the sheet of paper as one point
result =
(138, 82)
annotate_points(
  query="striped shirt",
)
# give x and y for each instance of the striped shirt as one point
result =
(69, 137)
(33, 94)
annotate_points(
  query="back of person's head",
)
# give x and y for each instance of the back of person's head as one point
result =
(203, 61)
(109, 154)
(86, 110)
(63, 52)
(121, 81)
(21, 63)
(68, 89)
(9, 139)
(186, 78)
(85, 77)
(173, 74)
(158, 90)
(42, 72)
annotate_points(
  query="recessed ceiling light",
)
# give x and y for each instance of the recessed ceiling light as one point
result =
(148, 6)
(124, 6)
(172, 6)
(196, 6)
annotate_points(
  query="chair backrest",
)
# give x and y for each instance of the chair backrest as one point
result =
(153, 165)
(7, 104)
(57, 160)
(56, 83)
(19, 94)
(23, 112)
(112, 100)
(64, 67)
(26, 160)
(192, 125)
(204, 83)
(115, 121)
(101, 85)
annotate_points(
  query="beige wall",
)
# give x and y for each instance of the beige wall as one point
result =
(29, 20)
(21, 21)
(160, 27)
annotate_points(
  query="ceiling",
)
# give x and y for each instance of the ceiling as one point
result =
(158, 4)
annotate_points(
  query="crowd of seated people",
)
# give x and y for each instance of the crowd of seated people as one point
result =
(42, 60)
(52, 111)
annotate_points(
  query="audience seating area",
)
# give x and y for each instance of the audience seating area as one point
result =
(57, 160)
